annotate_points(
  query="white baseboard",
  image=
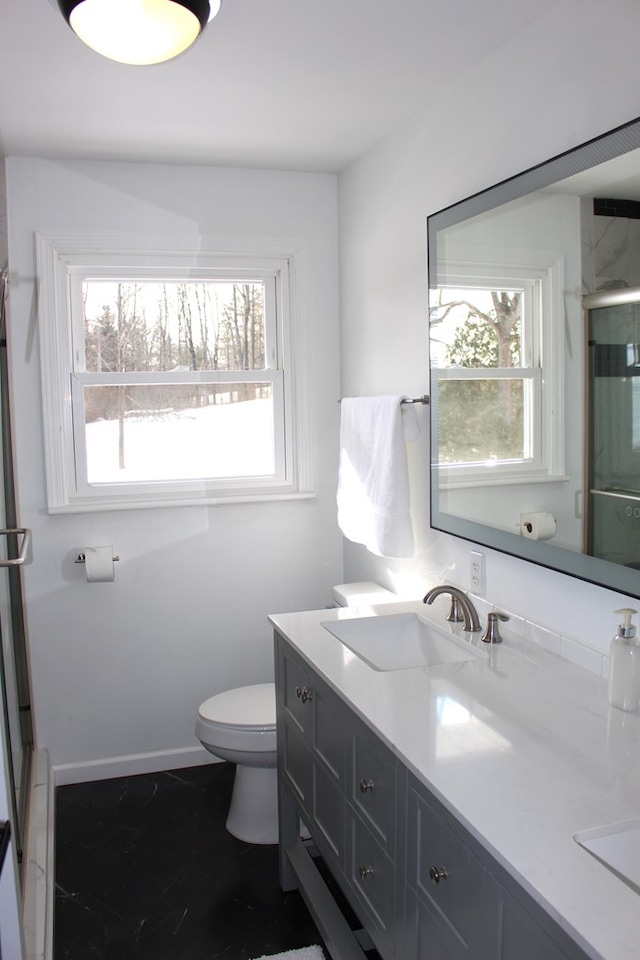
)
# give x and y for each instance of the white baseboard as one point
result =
(130, 765)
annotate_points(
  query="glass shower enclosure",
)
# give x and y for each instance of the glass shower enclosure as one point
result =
(613, 447)
(15, 695)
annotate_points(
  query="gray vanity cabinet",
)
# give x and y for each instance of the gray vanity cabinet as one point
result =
(421, 886)
(337, 777)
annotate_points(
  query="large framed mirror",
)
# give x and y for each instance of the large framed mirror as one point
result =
(534, 310)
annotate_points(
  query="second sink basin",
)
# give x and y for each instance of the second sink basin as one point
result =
(400, 640)
(618, 847)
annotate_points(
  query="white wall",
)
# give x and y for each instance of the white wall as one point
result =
(568, 77)
(119, 668)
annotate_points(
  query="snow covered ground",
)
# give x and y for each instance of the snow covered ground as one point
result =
(222, 440)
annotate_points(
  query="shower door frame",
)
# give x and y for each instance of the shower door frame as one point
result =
(15, 686)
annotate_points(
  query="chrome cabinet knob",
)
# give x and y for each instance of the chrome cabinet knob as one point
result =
(437, 874)
(365, 785)
(303, 694)
(298, 692)
(365, 871)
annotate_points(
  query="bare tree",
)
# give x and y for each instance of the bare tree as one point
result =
(504, 320)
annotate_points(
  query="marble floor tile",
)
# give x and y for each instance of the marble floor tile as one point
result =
(145, 870)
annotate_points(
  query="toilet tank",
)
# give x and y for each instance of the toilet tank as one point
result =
(365, 593)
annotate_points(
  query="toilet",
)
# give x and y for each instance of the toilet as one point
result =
(240, 725)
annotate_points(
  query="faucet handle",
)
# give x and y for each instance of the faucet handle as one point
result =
(492, 632)
(455, 613)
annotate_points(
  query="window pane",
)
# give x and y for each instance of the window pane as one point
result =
(477, 328)
(186, 432)
(162, 326)
(481, 420)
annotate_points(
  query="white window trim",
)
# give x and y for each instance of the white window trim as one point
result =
(504, 271)
(58, 254)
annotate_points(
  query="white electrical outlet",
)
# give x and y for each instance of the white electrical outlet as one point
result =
(476, 573)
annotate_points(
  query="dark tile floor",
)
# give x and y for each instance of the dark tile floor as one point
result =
(145, 870)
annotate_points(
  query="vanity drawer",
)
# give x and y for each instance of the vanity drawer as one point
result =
(297, 693)
(373, 787)
(444, 872)
(372, 879)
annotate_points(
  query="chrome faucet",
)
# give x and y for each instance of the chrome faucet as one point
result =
(460, 603)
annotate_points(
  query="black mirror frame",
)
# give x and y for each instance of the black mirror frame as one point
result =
(603, 573)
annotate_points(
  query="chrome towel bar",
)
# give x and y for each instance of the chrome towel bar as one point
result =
(424, 399)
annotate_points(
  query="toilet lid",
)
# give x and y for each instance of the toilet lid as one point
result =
(253, 706)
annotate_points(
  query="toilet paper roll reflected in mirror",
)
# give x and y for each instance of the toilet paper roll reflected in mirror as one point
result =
(538, 526)
(99, 565)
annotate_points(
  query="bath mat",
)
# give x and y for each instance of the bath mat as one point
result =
(305, 953)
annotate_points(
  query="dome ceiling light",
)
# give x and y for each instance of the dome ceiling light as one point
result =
(139, 32)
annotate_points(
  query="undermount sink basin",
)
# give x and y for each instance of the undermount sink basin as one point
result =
(617, 846)
(399, 641)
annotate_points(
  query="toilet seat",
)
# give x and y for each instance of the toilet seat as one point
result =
(249, 708)
(241, 722)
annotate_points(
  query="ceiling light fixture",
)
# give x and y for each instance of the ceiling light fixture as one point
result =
(139, 32)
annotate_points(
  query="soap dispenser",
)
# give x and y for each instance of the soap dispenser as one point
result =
(624, 665)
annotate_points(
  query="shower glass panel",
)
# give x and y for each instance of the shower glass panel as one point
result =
(15, 697)
(613, 525)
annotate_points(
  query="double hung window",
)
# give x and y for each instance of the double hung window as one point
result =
(169, 376)
(493, 346)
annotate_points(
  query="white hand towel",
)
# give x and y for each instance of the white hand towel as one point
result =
(373, 482)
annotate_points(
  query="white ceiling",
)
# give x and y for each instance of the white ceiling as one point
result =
(294, 84)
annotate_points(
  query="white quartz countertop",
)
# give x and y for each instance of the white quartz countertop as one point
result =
(520, 745)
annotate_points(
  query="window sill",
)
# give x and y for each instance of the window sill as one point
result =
(502, 480)
(99, 506)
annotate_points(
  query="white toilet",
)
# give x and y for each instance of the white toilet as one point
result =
(240, 725)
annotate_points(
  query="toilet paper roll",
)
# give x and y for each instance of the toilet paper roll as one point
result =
(99, 564)
(538, 526)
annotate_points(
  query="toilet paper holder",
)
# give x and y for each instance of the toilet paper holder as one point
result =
(81, 558)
